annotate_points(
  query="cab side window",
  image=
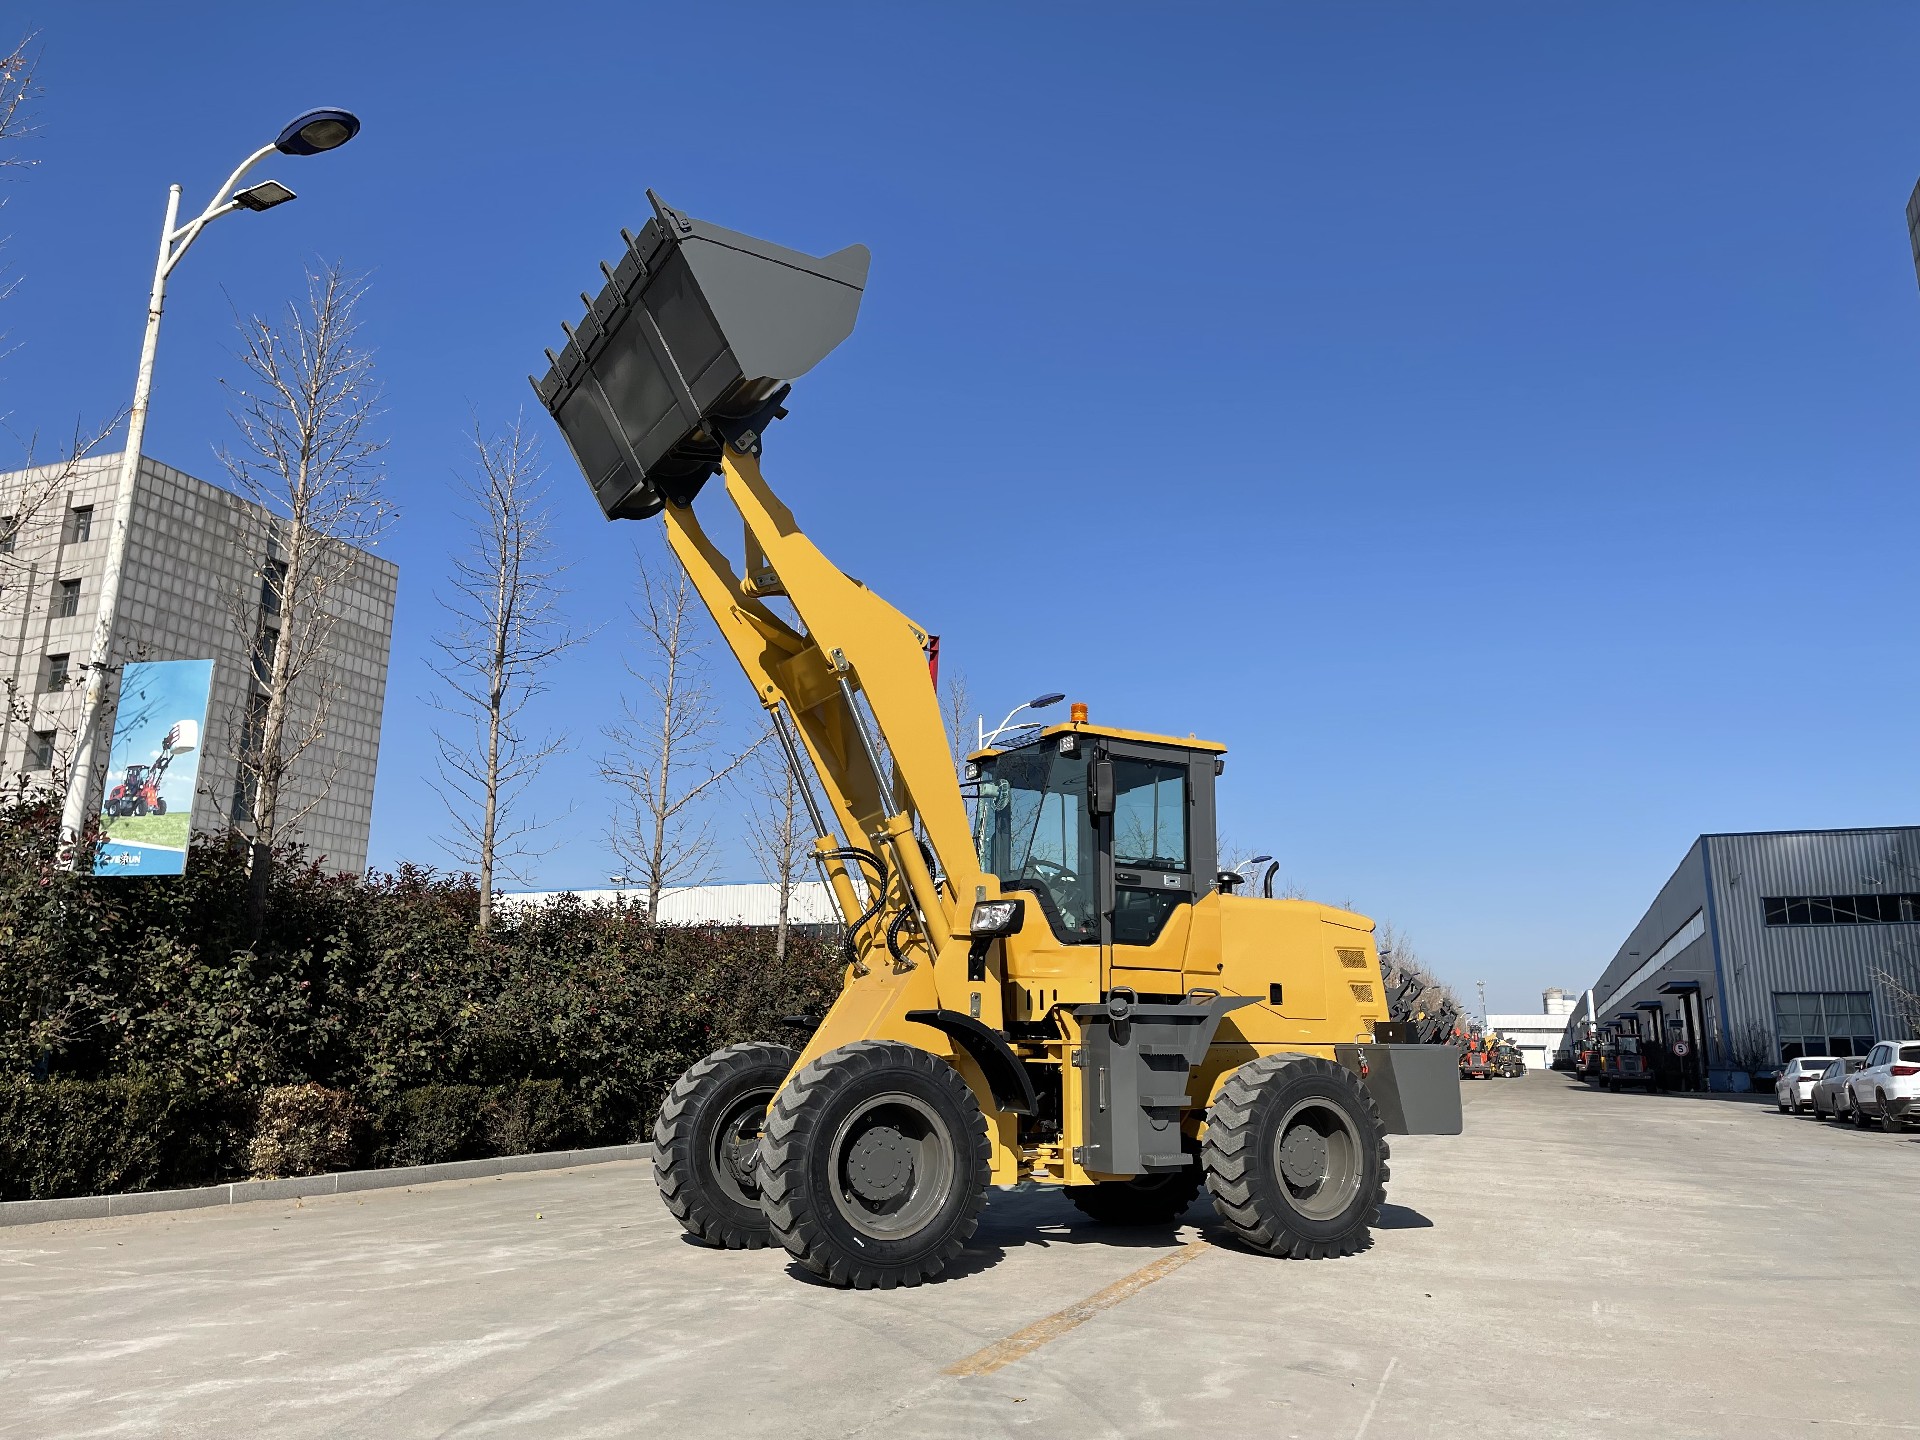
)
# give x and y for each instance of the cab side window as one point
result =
(1150, 815)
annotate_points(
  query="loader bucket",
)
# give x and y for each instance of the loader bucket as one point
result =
(690, 342)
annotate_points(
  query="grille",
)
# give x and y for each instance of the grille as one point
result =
(1362, 993)
(1353, 959)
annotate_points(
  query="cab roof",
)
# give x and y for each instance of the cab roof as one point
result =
(1108, 732)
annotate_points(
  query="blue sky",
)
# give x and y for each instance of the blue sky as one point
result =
(1493, 422)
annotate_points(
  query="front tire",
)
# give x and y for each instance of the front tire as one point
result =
(707, 1138)
(1296, 1157)
(875, 1165)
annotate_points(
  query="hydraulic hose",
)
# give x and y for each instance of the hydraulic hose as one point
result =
(860, 921)
(1266, 886)
(893, 936)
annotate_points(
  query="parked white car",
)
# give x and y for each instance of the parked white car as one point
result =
(1830, 1091)
(1794, 1088)
(1887, 1087)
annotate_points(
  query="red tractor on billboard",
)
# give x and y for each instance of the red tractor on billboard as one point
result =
(138, 792)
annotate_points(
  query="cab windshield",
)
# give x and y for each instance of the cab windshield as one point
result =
(1033, 831)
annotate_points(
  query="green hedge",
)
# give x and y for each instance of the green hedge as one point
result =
(81, 1137)
(91, 1137)
(562, 1026)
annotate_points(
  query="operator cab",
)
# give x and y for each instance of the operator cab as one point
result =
(1110, 831)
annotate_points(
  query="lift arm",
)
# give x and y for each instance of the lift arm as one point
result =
(853, 683)
(678, 365)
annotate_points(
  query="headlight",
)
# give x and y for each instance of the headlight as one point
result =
(997, 917)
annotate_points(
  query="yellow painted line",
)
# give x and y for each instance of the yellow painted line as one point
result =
(1023, 1342)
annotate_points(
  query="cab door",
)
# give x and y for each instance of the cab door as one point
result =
(1157, 858)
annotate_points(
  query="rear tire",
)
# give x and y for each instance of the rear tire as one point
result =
(875, 1165)
(1888, 1125)
(706, 1143)
(1157, 1199)
(1296, 1157)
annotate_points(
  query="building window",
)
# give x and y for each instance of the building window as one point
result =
(273, 579)
(57, 671)
(66, 599)
(1842, 909)
(263, 653)
(40, 750)
(1814, 1023)
(81, 529)
(9, 532)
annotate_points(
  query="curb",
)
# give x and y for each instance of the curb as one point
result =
(345, 1182)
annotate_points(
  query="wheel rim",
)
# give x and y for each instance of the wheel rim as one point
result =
(893, 1166)
(735, 1149)
(1317, 1158)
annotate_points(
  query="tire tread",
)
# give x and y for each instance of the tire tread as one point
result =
(1228, 1152)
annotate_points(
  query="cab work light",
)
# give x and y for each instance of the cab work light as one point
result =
(690, 344)
(993, 918)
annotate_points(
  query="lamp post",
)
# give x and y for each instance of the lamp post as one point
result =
(312, 133)
(1039, 702)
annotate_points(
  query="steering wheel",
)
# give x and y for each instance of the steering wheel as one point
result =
(1060, 872)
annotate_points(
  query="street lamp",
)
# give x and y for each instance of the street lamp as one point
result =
(1245, 865)
(312, 133)
(1039, 702)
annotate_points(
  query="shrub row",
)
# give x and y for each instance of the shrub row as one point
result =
(89, 1137)
(81, 1137)
(367, 1017)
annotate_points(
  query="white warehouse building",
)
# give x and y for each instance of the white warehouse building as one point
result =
(1537, 1036)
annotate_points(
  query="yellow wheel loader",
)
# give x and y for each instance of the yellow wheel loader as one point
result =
(1066, 989)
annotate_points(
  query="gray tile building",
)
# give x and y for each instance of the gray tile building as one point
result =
(1770, 945)
(194, 588)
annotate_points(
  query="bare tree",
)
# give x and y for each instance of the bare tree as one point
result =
(956, 708)
(307, 456)
(506, 631)
(666, 751)
(19, 88)
(776, 834)
(1901, 1000)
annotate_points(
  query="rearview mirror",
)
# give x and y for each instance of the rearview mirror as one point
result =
(1100, 788)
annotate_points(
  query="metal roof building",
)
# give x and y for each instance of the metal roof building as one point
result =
(810, 903)
(1768, 945)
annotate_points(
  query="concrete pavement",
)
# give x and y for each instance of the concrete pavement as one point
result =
(1576, 1262)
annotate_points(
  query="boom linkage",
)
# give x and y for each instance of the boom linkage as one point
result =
(887, 783)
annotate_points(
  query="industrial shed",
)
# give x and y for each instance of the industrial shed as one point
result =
(1769, 945)
(809, 904)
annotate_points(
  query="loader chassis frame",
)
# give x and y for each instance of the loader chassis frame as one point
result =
(1093, 1058)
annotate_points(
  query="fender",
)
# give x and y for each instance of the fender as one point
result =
(1012, 1087)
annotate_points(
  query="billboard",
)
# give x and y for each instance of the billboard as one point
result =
(153, 768)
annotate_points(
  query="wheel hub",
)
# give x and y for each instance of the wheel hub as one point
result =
(1303, 1156)
(880, 1164)
(735, 1147)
